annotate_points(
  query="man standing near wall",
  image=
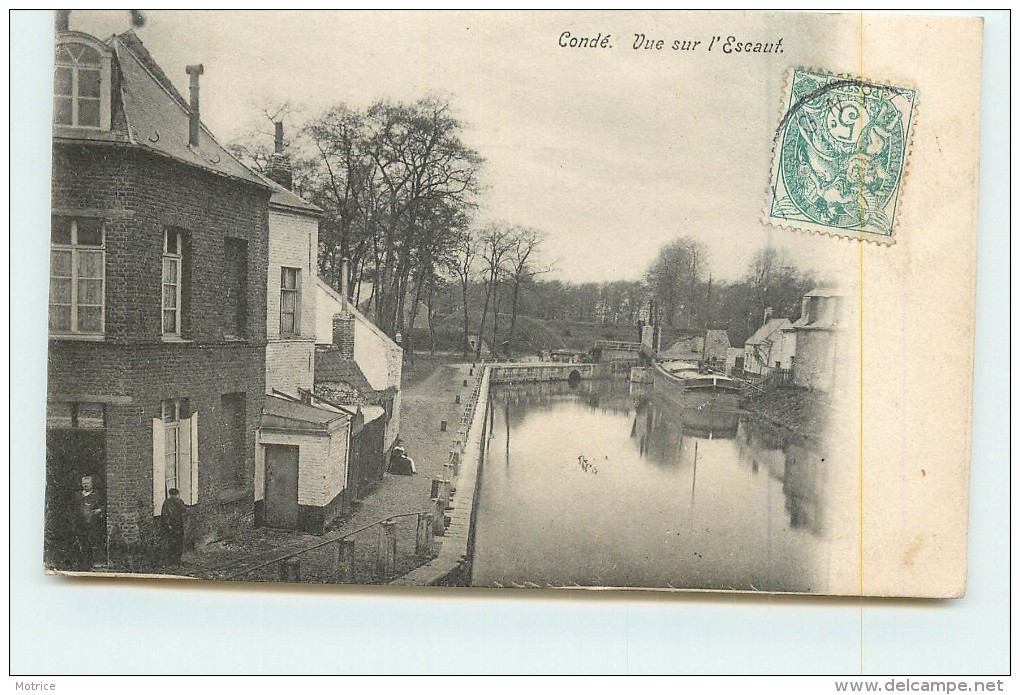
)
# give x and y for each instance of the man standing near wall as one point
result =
(172, 515)
(88, 524)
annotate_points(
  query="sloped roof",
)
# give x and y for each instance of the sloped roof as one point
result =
(716, 340)
(289, 199)
(157, 116)
(824, 292)
(331, 367)
(282, 197)
(360, 317)
(287, 414)
(682, 347)
(762, 334)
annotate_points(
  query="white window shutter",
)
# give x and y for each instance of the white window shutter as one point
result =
(193, 463)
(158, 467)
(184, 460)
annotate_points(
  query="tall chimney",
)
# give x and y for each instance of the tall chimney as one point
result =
(193, 122)
(344, 279)
(278, 145)
(62, 20)
(279, 168)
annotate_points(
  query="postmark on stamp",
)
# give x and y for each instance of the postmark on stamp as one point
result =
(840, 156)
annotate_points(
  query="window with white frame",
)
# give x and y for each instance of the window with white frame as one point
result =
(81, 86)
(173, 280)
(77, 276)
(174, 453)
(290, 301)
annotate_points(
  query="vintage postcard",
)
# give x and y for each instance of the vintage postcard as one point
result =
(648, 300)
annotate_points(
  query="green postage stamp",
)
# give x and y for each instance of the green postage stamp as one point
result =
(840, 156)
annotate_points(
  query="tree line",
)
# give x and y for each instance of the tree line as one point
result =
(397, 185)
(399, 191)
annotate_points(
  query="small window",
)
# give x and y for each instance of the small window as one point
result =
(173, 281)
(81, 86)
(290, 309)
(77, 276)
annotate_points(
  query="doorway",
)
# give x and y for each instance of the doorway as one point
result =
(281, 486)
(71, 454)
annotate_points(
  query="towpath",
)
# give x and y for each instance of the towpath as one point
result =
(425, 403)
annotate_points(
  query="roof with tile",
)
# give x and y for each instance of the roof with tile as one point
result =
(332, 367)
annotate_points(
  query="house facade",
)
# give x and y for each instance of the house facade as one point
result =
(814, 340)
(763, 351)
(159, 250)
(303, 452)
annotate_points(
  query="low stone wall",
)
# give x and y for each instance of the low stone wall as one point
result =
(528, 372)
(457, 496)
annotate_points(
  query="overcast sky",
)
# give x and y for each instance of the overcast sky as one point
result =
(611, 152)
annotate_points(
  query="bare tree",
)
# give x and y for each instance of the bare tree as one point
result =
(421, 162)
(522, 267)
(464, 268)
(496, 242)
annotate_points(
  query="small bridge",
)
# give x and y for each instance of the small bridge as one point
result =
(622, 354)
(622, 345)
(527, 372)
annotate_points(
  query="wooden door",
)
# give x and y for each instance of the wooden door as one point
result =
(281, 486)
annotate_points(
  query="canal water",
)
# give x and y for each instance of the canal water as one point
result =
(611, 484)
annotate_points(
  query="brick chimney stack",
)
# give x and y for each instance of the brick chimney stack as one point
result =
(343, 334)
(62, 20)
(279, 168)
(194, 71)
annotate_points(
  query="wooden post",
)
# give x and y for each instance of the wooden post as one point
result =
(344, 562)
(437, 519)
(448, 472)
(437, 486)
(387, 556)
(423, 538)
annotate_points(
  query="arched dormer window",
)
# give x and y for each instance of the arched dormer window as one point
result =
(81, 86)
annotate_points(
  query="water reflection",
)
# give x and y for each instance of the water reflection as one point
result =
(609, 485)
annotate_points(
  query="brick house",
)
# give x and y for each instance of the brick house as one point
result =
(159, 245)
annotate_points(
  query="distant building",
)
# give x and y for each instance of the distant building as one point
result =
(708, 347)
(812, 340)
(158, 256)
(763, 351)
